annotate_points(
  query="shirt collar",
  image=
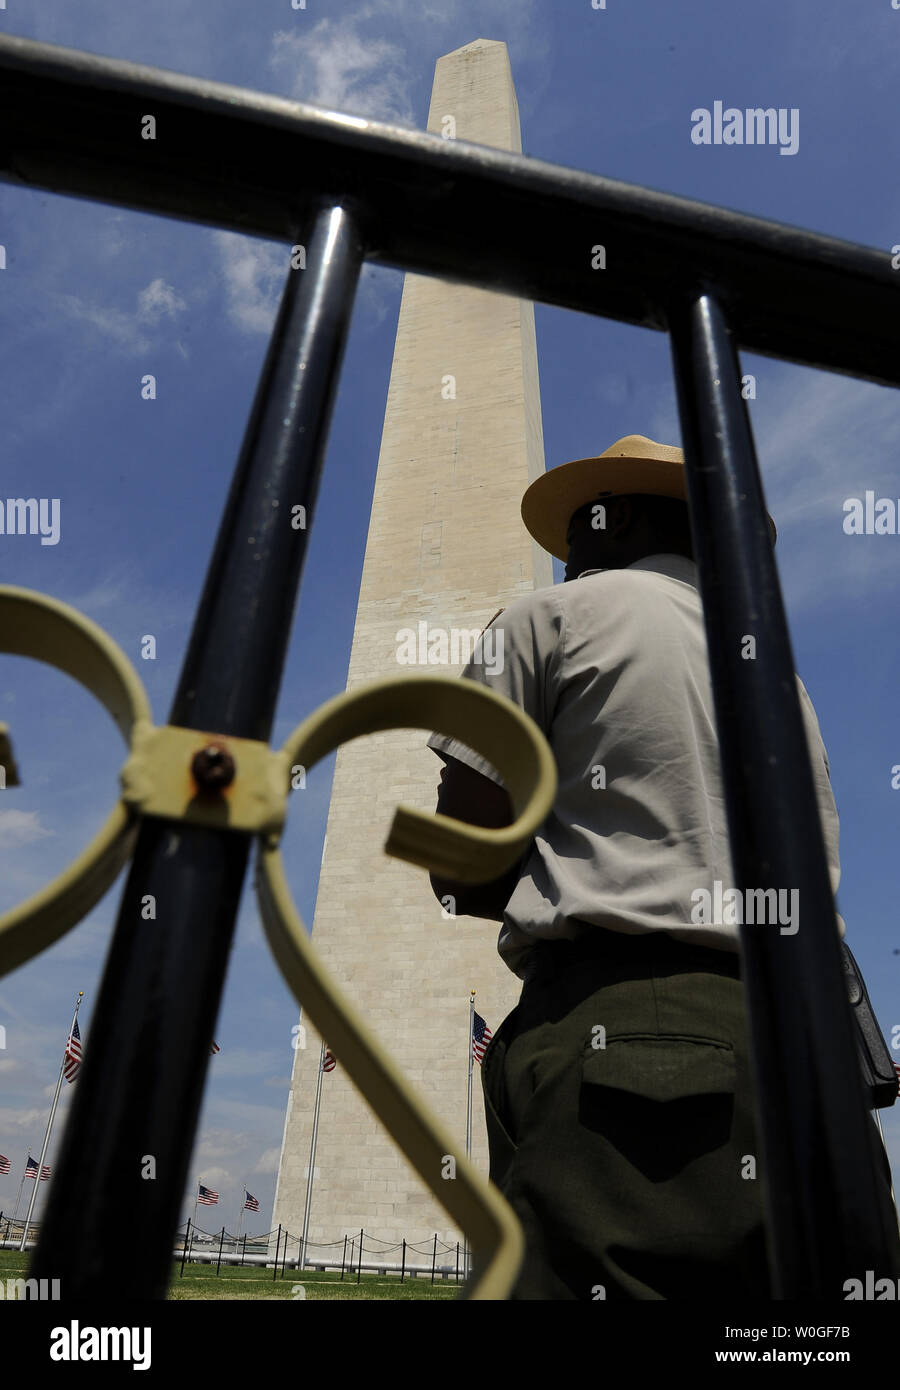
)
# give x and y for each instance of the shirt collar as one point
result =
(675, 566)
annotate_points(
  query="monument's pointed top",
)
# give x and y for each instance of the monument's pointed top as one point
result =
(475, 44)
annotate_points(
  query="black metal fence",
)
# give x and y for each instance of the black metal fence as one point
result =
(712, 279)
(281, 1250)
(355, 1254)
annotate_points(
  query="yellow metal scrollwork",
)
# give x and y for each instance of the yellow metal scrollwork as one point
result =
(156, 781)
(40, 627)
(511, 741)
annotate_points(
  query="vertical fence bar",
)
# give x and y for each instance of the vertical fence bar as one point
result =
(185, 1246)
(141, 1083)
(359, 1266)
(343, 1259)
(828, 1219)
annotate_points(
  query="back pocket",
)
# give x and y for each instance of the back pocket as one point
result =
(662, 1101)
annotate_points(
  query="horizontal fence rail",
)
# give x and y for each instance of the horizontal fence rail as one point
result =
(714, 280)
(229, 157)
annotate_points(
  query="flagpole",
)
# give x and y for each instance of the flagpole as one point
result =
(196, 1200)
(40, 1170)
(469, 1116)
(312, 1158)
(21, 1185)
(241, 1212)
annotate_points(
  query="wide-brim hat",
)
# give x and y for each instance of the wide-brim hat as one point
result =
(633, 464)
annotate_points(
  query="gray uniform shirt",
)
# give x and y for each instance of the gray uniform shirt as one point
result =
(613, 669)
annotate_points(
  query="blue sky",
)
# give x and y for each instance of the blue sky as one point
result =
(95, 296)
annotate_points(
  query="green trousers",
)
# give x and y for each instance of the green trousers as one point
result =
(619, 1107)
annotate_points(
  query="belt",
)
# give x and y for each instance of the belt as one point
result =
(658, 946)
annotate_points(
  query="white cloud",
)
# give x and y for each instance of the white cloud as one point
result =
(105, 592)
(255, 274)
(158, 299)
(351, 65)
(116, 324)
(18, 828)
(335, 66)
(126, 327)
(27, 1120)
(821, 438)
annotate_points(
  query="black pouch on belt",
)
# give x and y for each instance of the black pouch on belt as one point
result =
(879, 1077)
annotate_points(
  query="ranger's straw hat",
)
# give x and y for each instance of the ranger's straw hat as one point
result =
(633, 464)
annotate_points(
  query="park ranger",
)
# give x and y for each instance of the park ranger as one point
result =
(618, 1093)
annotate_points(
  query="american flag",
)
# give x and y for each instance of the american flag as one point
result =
(481, 1036)
(251, 1203)
(328, 1062)
(72, 1059)
(31, 1170)
(207, 1198)
(214, 1049)
(4, 1164)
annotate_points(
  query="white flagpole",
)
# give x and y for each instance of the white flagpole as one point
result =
(21, 1185)
(50, 1123)
(312, 1159)
(469, 1115)
(196, 1200)
(241, 1212)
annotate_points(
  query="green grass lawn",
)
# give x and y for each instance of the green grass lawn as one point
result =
(233, 1282)
(200, 1282)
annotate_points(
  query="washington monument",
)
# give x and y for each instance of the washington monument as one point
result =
(462, 440)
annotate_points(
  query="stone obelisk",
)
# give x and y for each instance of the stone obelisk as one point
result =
(462, 440)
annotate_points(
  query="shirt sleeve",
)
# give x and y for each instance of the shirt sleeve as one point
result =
(520, 656)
